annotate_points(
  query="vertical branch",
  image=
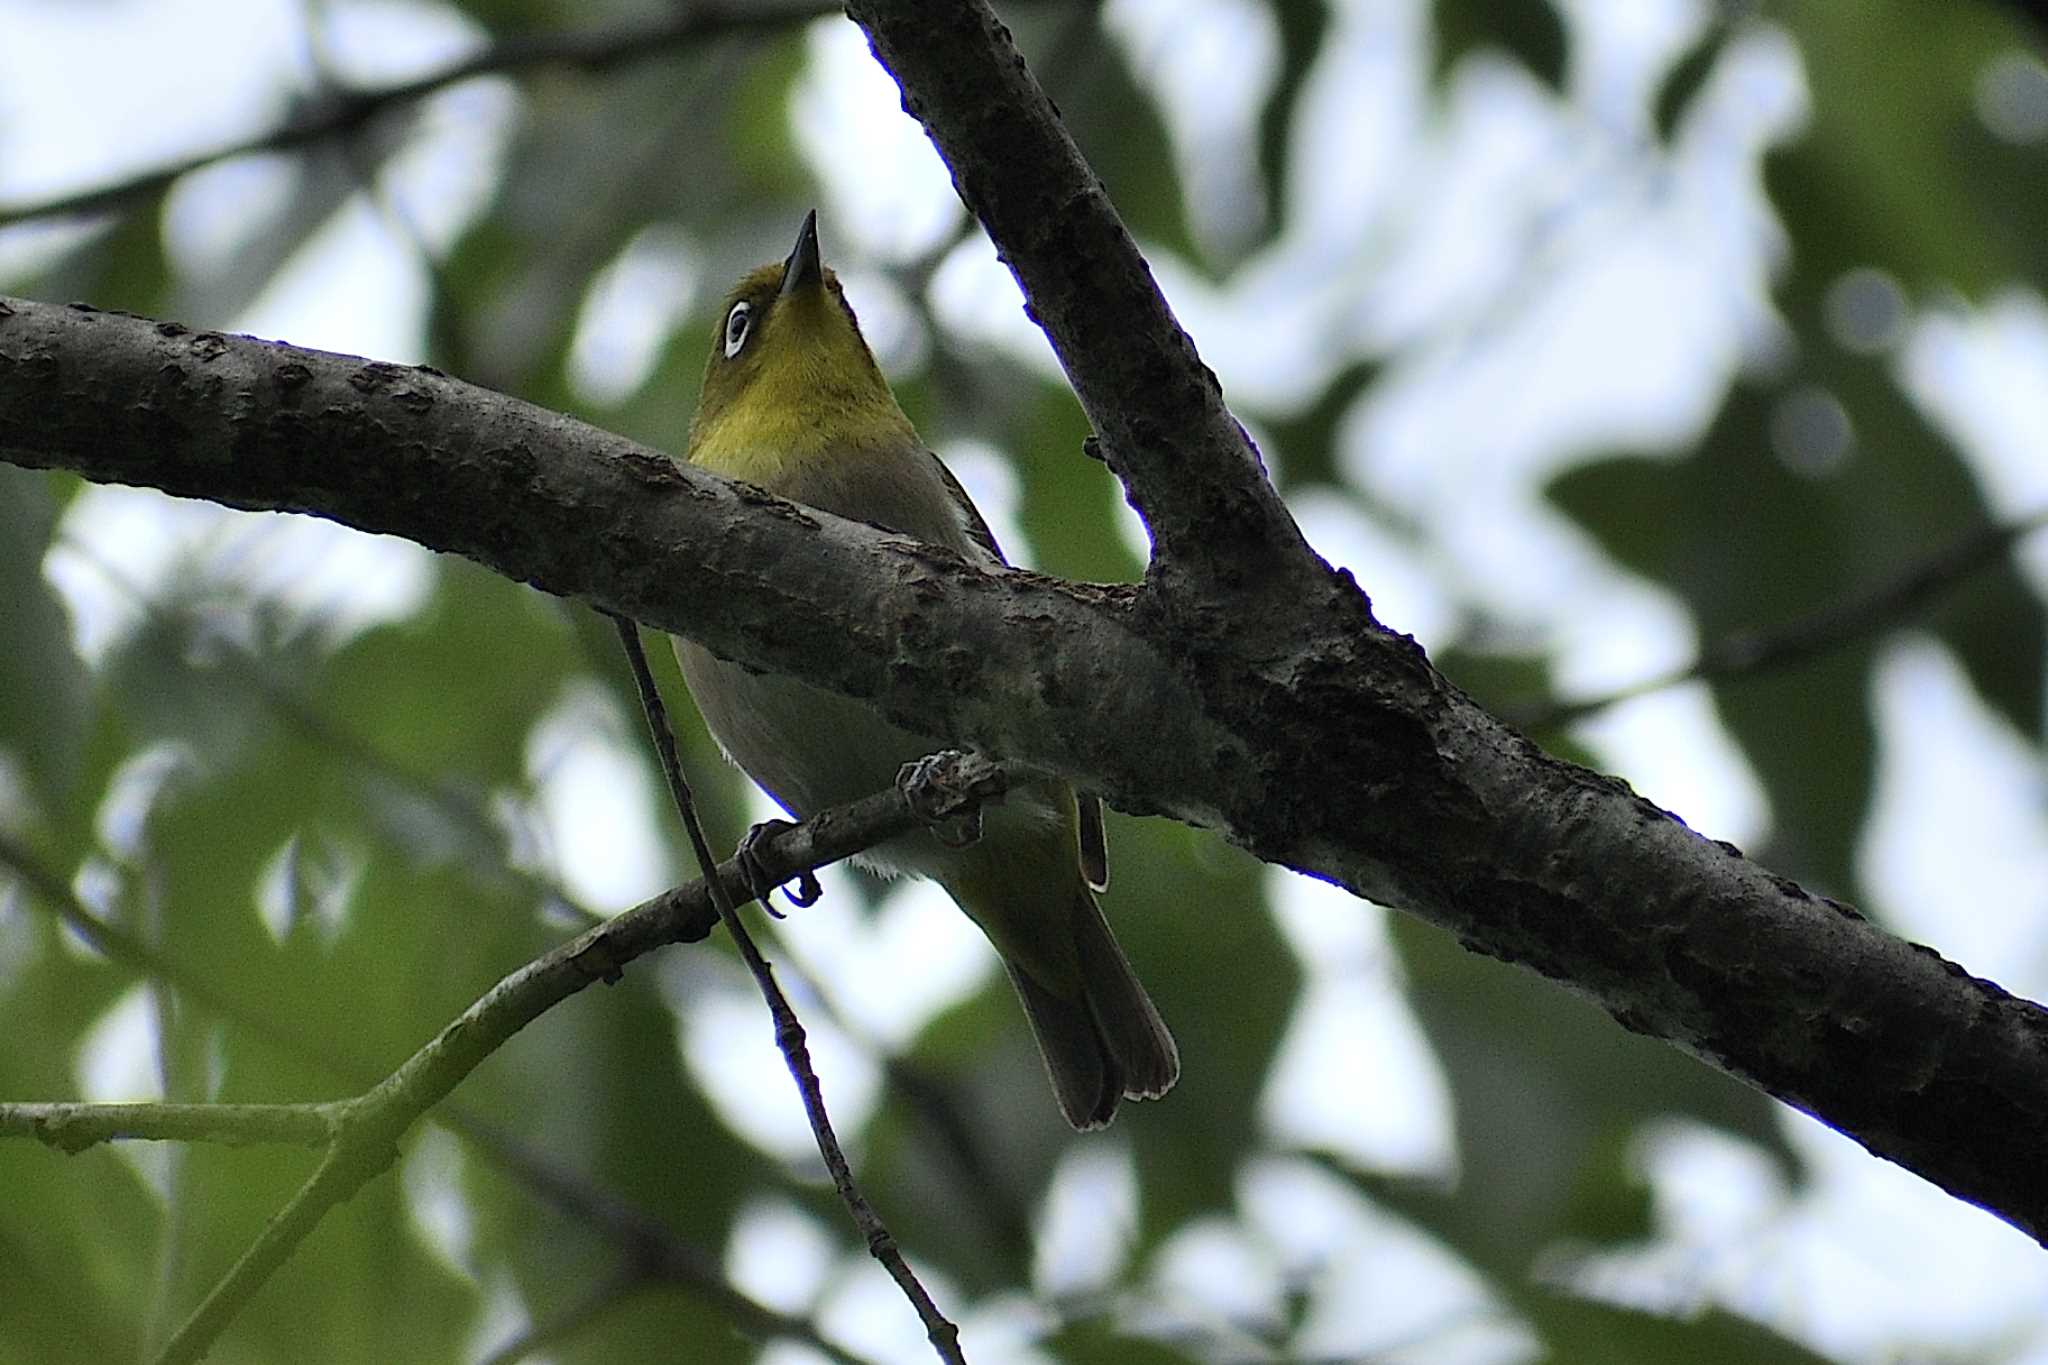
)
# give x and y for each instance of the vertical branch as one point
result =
(1188, 466)
(789, 1032)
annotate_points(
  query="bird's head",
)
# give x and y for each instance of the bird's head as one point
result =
(789, 376)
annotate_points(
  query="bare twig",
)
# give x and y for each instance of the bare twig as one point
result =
(72, 1128)
(944, 1110)
(789, 1032)
(929, 1095)
(1746, 653)
(359, 1153)
(366, 1129)
(370, 1130)
(1186, 464)
(345, 111)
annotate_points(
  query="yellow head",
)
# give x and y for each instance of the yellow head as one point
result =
(790, 380)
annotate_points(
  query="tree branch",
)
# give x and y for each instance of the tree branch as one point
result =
(1311, 737)
(72, 1127)
(789, 1031)
(363, 1132)
(643, 1239)
(547, 500)
(1189, 468)
(339, 112)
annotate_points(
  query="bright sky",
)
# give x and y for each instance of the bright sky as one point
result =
(1488, 399)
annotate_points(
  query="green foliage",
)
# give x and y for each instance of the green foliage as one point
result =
(45, 701)
(336, 842)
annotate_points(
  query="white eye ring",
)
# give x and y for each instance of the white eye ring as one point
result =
(738, 323)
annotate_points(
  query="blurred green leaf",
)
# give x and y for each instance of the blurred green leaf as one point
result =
(45, 696)
(1579, 1331)
(1497, 681)
(1682, 83)
(1092, 1341)
(1302, 448)
(1069, 501)
(1908, 178)
(121, 267)
(1302, 24)
(1751, 537)
(593, 163)
(454, 690)
(1547, 1094)
(1191, 914)
(362, 1288)
(597, 1089)
(77, 1237)
(1530, 31)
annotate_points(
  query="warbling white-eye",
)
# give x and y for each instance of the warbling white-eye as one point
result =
(793, 402)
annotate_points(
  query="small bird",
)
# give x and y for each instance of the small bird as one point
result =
(793, 402)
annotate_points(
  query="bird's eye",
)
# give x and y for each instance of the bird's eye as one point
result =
(737, 324)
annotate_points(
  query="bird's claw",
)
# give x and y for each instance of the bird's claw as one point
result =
(947, 790)
(760, 883)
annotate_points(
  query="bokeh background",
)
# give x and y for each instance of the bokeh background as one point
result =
(1586, 333)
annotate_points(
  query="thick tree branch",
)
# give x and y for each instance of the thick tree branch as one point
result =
(1343, 754)
(547, 500)
(1188, 466)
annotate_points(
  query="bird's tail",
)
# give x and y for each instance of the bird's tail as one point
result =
(1108, 1045)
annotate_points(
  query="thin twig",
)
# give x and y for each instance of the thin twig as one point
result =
(789, 1032)
(367, 1128)
(1747, 653)
(344, 111)
(367, 1142)
(358, 1154)
(943, 1109)
(626, 1225)
(73, 1127)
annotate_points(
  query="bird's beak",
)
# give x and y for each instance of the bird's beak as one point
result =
(803, 270)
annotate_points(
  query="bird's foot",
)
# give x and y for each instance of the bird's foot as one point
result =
(947, 790)
(758, 881)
